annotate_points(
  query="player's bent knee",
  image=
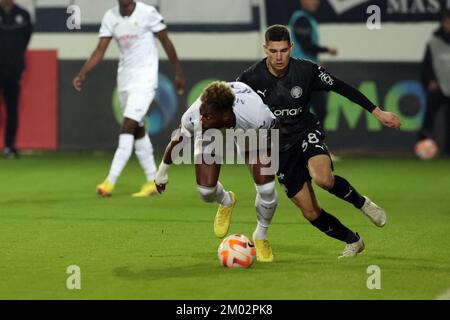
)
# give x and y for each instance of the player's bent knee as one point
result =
(267, 193)
(207, 194)
(310, 214)
(325, 182)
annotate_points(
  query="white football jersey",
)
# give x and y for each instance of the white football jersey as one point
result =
(249, 109)
(138, 64)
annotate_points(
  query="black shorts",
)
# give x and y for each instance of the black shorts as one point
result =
(293, 170)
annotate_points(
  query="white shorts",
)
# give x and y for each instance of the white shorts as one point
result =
(135, 103)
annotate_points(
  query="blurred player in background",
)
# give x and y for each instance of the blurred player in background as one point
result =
(285, 85)
(15, 34)
(436, 80)
(305, 37)
(134, 25)
(228, 105)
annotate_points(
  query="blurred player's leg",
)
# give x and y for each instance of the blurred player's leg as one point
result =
(144, 152)
(11, 95)
(446, 148)
(306, 200)
(434, 101)
(121, 156)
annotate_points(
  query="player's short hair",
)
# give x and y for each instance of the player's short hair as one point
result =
(218, 94)
(277, 32)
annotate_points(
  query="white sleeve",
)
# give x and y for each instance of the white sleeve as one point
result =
(190, 119)
(187, 127)
(106, 30)
(156, 21)
(267, 118)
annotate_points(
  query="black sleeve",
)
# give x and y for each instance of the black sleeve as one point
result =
(242, 77)
(303, 33)
(427, 72)
(324, 81)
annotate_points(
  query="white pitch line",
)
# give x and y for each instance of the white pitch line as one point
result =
(444, 296)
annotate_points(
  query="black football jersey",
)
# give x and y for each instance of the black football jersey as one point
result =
(288, 97)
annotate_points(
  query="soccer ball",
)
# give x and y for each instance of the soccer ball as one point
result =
(236, 251)
(426, 149)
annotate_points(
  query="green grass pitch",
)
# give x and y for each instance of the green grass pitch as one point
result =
(163, 247)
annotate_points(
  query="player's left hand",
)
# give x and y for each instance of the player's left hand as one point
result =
(77, 82)
(387, 119)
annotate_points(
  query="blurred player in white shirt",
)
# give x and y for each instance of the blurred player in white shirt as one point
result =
(135, 26)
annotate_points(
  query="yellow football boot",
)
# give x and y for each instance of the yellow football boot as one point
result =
(147, 190)
(263, 250)
(223, 217)
(105, 188)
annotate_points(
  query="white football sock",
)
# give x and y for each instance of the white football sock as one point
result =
(215, 194)
(265, 203)
(123, 153)
(144, 151)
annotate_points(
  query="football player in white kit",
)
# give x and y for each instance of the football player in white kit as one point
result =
(135, 26)
(228, 105)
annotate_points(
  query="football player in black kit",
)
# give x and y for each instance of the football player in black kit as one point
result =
(285, 85)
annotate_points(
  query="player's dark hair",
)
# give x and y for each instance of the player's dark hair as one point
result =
(277, 32)
(219, 95)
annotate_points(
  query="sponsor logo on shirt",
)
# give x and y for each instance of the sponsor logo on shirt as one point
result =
(326, 78)
(287, 112)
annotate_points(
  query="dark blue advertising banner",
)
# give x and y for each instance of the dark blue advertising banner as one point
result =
(358, 11)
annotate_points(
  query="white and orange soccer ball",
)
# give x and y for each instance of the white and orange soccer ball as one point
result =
(426, 149)
(236, 251)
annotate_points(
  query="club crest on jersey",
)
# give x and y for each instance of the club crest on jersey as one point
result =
(19, 19)
(296, 92)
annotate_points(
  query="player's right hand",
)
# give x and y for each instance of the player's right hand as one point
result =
(332, 51)
(77, 82)
(161, 180)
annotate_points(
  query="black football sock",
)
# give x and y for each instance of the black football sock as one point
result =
(342, 189)
(332, 227)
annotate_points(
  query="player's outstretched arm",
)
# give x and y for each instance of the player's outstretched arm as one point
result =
(169, 48)
(93, 60)
(387, 119)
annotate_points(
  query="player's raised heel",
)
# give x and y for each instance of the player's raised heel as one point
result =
(105, 188)
(376, 214)
(352, 249)
(147, 190)
(222, 220)
(263, 250)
